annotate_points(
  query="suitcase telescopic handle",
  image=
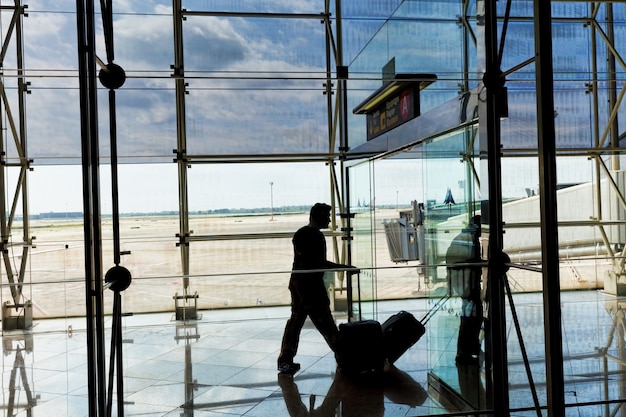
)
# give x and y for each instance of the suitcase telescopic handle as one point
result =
(438, 305)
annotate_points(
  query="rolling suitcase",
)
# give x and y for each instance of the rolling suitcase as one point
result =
(403, 330)
(400, 332)
(360, 347)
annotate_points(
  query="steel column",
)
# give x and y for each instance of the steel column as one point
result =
(497, 362)
(85, 14)
(181, 142)
(548, 208)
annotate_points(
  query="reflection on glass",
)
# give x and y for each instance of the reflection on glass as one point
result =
(464, 272)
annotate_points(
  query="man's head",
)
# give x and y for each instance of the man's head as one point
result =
(320, 215)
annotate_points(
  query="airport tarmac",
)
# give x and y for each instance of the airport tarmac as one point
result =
(229, 264)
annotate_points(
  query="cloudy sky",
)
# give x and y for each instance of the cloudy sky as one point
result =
(255, 87)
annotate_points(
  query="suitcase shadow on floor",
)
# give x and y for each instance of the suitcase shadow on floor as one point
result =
(355, 395)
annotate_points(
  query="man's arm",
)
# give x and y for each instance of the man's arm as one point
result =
(311, 251)
(333, 265)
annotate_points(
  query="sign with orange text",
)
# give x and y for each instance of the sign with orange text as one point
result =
(394, 111)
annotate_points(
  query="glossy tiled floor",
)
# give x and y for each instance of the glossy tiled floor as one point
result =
(224, 364)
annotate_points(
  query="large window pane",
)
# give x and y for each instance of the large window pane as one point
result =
(281, 118)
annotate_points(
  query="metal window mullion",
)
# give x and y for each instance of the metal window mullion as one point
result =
(341, 128)
(181, 142)
(596, 117)
(263, 15)
(25, 163)
(330, 125)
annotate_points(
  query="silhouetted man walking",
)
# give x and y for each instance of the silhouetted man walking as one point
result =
(309, 296)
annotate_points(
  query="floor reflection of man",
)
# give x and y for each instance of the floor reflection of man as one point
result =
(471, 385)
(465, 281)
(401, 388)
(358, 398)
(352, 397)
(297, 408)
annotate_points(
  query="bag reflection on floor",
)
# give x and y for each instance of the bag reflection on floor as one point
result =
(352, 396)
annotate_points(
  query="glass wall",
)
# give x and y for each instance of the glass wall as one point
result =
(451, 178)
(229, 171)
(416, 236)
(365, 239)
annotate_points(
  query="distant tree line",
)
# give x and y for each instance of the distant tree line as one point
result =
(58, 215)
(259, 210)
(223, 211)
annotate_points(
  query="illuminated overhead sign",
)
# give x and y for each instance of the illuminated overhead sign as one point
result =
(391, 113)
(394, 103)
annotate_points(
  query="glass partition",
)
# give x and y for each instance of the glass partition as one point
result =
(399, 194)
(590, 184)
(364, 243)
(423, 199)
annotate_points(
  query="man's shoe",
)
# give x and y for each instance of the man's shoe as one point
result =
(288, 368)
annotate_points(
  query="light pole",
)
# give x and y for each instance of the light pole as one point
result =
(272, 200)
